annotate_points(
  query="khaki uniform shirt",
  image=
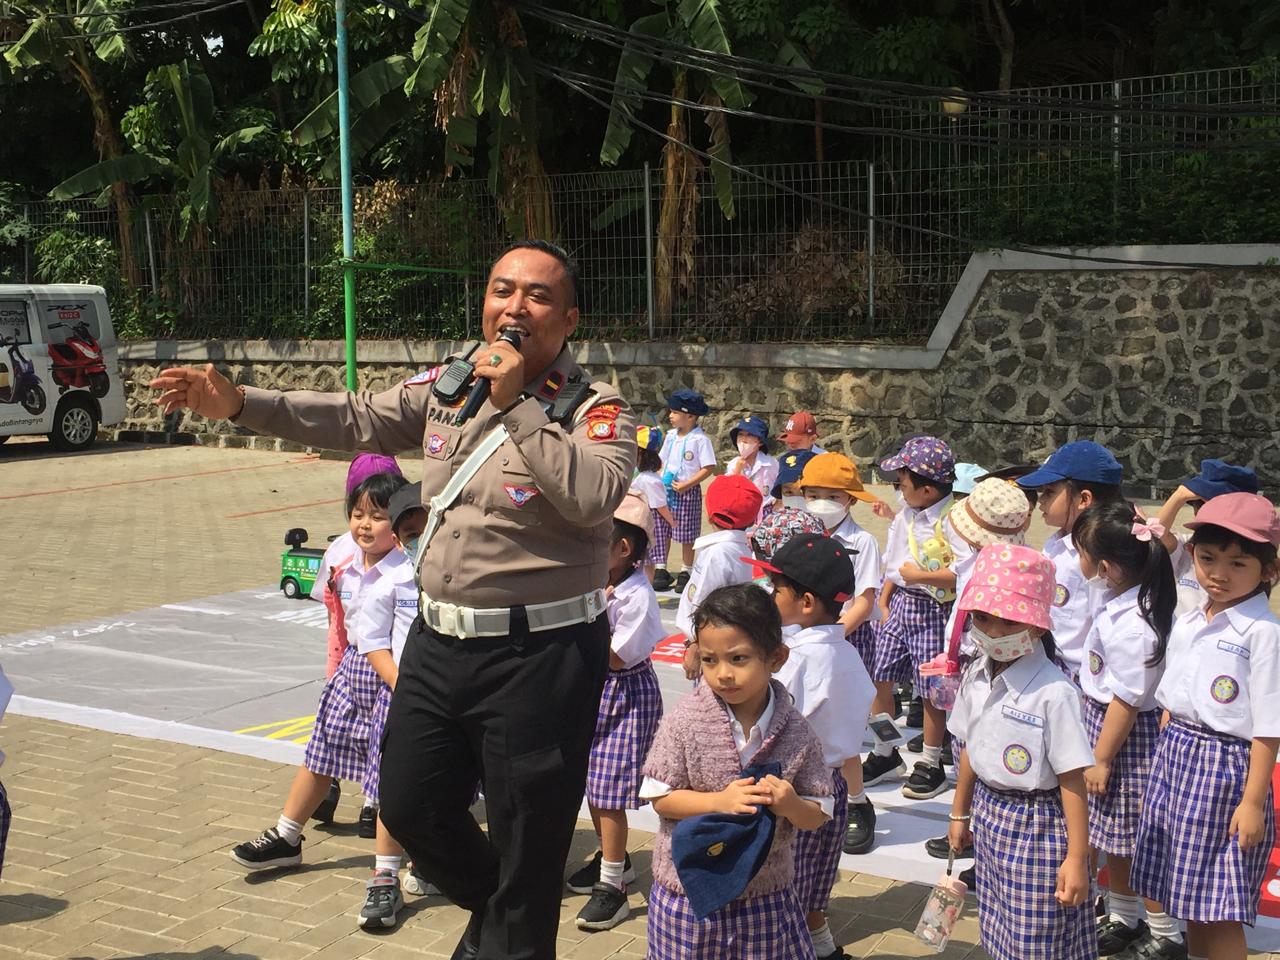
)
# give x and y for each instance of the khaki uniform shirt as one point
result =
(534, 525)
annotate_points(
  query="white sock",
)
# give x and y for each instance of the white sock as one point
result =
(1163, 925)
(1122, 908)
(823, 943)
(932, 755)
(289, 830)
(611, 873)
(660, 566)
(860, 798)
(390, 864)
(369, 803)
(882, 749)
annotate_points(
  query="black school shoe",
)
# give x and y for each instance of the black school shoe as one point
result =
(468, 947)
(940, 849)
(607, 908)
(1115, 936)
(969, 878)
(915, 714)
(267, 851)
(861, 833)
(682, 581)
(585, 880)
(836, 954)
(368, 826)
(926, 781)
(329, 805)
(662, 580)
(1152, 947)
(876, 768)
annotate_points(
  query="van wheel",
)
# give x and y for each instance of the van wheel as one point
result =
(291, 588)
(75, 425)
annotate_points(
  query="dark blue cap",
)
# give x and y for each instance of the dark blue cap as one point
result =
(688, 401)
(790, 468)
(1217, 477)
(1081, 460)
(717, 854)
(752, 426)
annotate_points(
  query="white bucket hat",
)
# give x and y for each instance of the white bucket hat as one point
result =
(996, 512)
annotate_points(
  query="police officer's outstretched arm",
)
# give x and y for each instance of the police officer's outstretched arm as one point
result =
(387, 422)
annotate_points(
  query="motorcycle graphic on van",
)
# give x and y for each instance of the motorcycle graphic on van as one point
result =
(18, 380)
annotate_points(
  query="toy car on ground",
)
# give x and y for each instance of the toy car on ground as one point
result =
(299, 565)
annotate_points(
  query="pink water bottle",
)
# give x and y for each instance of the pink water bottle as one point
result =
(942, 910)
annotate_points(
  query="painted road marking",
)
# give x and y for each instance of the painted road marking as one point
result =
(292, 506)
(177, 476)
(297, 729)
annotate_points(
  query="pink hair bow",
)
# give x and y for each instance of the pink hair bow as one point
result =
(1144, 530)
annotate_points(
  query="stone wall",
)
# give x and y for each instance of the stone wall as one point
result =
(1164, 366)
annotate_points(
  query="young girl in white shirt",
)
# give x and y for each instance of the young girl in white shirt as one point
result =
(751, 437)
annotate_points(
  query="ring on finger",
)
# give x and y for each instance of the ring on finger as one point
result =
(495, 360)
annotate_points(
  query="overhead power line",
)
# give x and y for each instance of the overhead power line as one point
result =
(130, 11)
(137, 27)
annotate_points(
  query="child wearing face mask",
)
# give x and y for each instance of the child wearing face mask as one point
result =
(790, 470)
(1021, 771)
(1076, 476)
(1207, 824)
(1124, 659)
(751, 437)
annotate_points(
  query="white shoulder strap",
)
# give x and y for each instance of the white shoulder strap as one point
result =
(442, 501)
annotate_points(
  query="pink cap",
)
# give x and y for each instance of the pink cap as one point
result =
(366, 465)
(634, 509)
(1249, 514)
(1013, 582)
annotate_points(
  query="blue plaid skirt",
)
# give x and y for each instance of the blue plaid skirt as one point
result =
(818, 851)
(1185, 858)
(630, 708)
(864, 641)
(912, 633)
(339, 744)
(1020, 840)
(377, 726)
(660, 546)
(768, 927)
(1113, 816)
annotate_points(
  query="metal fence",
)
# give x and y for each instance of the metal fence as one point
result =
(800, 261)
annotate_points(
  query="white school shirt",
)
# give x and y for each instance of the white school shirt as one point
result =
(635, 623)
(355, 580)
(341, 551)
(6, 694)
(649, 486)
(1071, 613)
(897, 548)
(963, 569)
(1191, 595)
(685, 456)
(748, 743)
(830, 686)
(865, 554)
(387, 608)
(717, 560)
(1116, 652)
(1022, 728)
(1224, 673)
(763, 472)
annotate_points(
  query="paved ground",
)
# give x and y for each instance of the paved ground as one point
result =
(118, 847)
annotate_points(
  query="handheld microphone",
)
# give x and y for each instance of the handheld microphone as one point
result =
(482, 385)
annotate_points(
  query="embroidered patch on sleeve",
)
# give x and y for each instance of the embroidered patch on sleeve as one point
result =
(520, 495)
(606, 411)
(601, 429)
(426, 376)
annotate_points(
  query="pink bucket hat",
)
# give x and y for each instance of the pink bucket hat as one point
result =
(1013, 582)
(366, 465)
(634, 509)
(995, 512)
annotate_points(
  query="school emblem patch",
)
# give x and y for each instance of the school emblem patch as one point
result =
(1017, 759)
(1061, 595)
(601, 430)
(1224, 689)
(435, 443)
(1095, 663)
(520, 495)
(688, 454)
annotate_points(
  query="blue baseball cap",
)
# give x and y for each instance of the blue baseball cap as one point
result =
(717, 854)
(752, 426)
(688, 401)
(1217, 477)
(967, 477)
(1081, 460)
(791, 468)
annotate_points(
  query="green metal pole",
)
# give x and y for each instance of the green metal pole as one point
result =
(348, 213)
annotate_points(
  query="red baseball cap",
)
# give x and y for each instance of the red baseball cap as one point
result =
(799, 424)
(733, 502)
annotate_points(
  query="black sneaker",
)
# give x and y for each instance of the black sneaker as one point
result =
(969, 878)
(915, 713)
(940, 849)
(607, 908)
(662, 580)
(329, 805)
(916, 744)
(876, 768)
(925, 781)
(382, 900)
(368, 825)
(682, 580)
(948, 758)
(836, 954)
(267, 852)
(585, 880)
(861, 832)
(1114, 936)
(1152, 947)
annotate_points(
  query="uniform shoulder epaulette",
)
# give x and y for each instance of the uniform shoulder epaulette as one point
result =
(426, 376)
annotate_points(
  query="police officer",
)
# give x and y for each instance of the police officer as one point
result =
(500, 680)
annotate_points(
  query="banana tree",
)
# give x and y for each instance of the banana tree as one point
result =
(696, 23)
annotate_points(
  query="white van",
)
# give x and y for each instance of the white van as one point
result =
(59, 363)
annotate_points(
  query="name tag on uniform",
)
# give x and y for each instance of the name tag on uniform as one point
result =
(407, 603)
(1239, 651)
(1028, 718)
(344, 595)
(1190, 583)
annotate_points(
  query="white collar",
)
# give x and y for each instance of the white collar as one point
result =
(933, 513)
(821, 633)
(743, 737)
(848, 526)
(1119, 602)
(721, 536)
(1243, 614)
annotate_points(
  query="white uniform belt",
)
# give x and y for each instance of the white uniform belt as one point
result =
(466, 622)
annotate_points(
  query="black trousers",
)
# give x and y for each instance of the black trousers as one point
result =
(517, 713)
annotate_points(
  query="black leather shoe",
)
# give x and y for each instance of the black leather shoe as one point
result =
(329, 805)
(468, 947)
(940, 848)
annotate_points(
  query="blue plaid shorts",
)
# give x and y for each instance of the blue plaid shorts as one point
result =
(912, 633)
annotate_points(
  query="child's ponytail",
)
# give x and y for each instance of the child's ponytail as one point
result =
(1118, 534)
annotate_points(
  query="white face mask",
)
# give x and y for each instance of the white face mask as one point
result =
(795, 503)
(747, 447)
(1003, 649)
(830, 512)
